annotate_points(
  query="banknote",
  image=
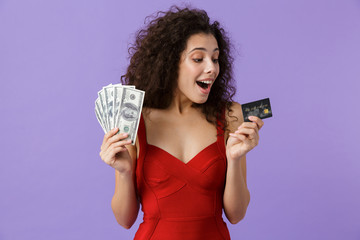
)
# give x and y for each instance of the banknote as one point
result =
(103, 108)
(119, 106)
(100, 115)
(109, 98)
(118, 91)
(130, 111)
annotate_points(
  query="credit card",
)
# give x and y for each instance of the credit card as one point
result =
(260, 109)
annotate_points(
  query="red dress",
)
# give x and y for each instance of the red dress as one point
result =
(181, 201)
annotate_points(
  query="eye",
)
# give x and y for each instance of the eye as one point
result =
(197, 60)
(216, 60)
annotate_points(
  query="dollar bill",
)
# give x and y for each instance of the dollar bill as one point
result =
(100, 115)
(119, 106)
(109, 98)
(103, 109)
(130, 112)
(118, 91)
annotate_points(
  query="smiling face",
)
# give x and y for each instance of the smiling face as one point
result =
(198, 68)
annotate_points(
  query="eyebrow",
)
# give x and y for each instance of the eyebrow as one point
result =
(202, 49)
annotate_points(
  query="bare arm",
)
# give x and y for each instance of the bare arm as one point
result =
(242, 138)
(119, 154)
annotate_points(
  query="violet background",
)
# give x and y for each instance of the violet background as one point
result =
(55, 56)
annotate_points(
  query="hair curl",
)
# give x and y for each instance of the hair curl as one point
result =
(155, 58)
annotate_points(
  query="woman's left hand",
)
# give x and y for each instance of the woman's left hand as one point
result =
(245, 138)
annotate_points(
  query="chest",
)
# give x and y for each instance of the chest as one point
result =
(182, 138)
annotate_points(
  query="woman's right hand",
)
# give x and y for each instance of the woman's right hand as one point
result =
(114, 153)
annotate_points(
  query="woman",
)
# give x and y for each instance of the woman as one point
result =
(189, 160)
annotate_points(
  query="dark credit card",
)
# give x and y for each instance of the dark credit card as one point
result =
(261, 109)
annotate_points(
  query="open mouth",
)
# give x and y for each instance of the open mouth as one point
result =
(204, 84)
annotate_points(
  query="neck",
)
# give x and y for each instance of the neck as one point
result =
(180, 104)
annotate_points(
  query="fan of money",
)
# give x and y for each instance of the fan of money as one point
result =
(119, 106)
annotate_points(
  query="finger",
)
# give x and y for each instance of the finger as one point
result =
(115, 138)
(241, 138)
(122, 143)
(250, 141)
(110, 134)
(109, 157)
(115, 148)
(109, 141)
(248, 125)
(251, 135)
(257, 120)
(248, 131)
(238, 136)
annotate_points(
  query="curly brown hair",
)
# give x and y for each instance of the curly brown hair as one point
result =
(155, 58)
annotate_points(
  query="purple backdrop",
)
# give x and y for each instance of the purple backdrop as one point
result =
(55, 56)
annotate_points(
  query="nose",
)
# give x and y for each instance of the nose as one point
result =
(210, 67)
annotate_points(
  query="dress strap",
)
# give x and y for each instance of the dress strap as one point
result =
(142, 136)
(220, 132)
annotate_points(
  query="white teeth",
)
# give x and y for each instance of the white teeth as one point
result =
(206, 82)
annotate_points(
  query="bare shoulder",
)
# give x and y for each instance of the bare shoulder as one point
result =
(234, 117)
